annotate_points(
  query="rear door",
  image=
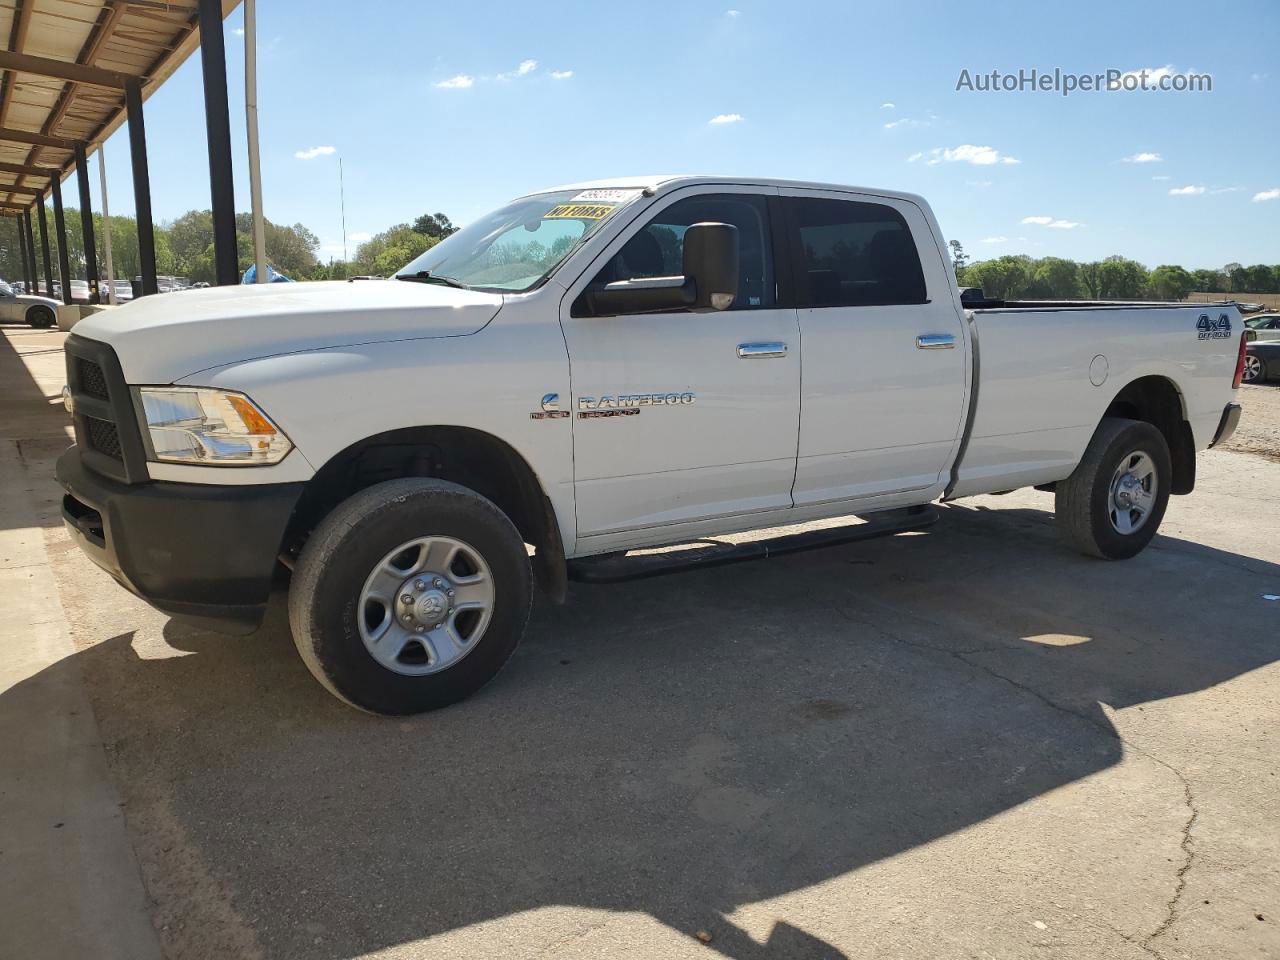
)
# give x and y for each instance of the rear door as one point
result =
(684, 416)
(885, 362)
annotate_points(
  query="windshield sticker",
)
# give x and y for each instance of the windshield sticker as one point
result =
(605, 196)
(579, 211)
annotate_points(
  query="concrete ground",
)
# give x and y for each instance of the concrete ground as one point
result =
(963, 742)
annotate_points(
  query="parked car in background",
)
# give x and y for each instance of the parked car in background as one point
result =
(1261, 361)
(16, 307)
(1266, 326)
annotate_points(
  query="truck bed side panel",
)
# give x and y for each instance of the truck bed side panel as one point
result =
(1038, 404)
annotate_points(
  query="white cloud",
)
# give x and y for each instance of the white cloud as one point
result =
(238, 31)
(315, 152)
(1226, 190)
(965, 153)
(721, 118)
(1267, 195)
(1154, 74)
(526, 67)
(359, 237)
(887, 106)
(995, 239)
(1144, 158)
(1258, 77)
(1053, 222)
(561, 74)
(980, 184)
(1189, 191)
(1134, 78)
(733, 13)
(460, 82)
(1162, 177)
(909, 122)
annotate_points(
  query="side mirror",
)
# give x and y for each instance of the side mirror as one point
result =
(711, 260)
(1250, 336)
(710, 280)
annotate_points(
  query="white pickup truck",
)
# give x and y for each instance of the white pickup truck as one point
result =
(588, 371)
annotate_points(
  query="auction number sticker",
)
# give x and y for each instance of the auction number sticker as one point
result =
(614, 196)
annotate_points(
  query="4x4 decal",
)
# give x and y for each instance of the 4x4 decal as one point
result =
(1211, 329)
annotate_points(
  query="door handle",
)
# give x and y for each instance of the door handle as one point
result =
(936, 341)
(761, 351)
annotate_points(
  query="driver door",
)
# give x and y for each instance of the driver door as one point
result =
(681, 417)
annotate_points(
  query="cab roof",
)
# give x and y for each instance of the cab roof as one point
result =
(664, 182)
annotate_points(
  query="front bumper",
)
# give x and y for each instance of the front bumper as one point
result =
(1227, 425)
(201, 552)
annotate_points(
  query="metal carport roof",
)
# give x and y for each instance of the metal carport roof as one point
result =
(67, 68)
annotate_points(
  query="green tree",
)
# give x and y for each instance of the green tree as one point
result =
(1170, 282)
(386, 252)
(435, 225)
(1208, 281)
(1259, 279)
(958, 257)
(1005, 278)
(1122, 279)
(1236, 276)
(1054, 278)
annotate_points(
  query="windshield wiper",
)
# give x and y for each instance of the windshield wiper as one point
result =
(426, 276)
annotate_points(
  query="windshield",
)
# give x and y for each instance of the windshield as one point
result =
(516, 247)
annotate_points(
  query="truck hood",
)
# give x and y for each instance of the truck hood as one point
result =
(164, 337)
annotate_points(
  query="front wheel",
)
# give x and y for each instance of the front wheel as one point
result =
(41, 317)
(1112, 504)
(410, 596)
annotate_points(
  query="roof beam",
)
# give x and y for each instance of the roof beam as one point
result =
(12, 188)
(35, 139)
(62, 70)
(17, 40)
(29, 170)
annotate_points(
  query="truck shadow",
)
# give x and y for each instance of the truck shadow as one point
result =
(678, 747)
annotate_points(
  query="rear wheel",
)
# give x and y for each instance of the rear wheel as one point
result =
(41, 317)
(1112, 504)
(1252, 368)
(410, 596)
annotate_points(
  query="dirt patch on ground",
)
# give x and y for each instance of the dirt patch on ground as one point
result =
(1259, 430)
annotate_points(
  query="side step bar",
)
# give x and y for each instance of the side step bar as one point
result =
(615, 568)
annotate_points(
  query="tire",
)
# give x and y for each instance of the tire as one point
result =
(1253, 369)
(351, 559)
(1088, 503)
(41, 317)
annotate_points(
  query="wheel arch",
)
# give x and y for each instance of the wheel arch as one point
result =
(464, 455)
(1158, 401)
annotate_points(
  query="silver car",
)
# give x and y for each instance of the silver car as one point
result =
(40, 312)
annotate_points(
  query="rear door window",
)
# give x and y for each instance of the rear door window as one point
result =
(853, 254)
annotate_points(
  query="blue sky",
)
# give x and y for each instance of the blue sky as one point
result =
(802, 90)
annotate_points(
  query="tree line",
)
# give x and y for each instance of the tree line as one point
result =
(184, 247)
(1115, 278)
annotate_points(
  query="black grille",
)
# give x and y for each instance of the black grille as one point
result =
(103, 437)
(92, 382)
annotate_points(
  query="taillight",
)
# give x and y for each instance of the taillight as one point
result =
(1235, 381)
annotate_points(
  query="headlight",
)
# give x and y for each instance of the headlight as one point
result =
(201, 425)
